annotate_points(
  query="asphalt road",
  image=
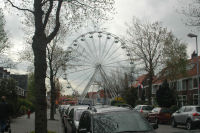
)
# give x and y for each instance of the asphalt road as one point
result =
(179, 129)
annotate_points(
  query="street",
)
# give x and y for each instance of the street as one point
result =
(179, 129)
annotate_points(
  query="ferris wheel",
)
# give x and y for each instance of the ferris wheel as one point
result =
(95, 57)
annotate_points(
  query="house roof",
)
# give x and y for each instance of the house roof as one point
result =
(191, 70)
(139, 80)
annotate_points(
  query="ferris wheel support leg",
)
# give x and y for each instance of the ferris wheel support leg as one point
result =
(88, 85)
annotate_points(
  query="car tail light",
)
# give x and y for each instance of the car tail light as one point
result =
(195, 114)
(141, 111)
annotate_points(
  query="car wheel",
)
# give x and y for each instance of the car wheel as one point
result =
(189, 125)
(173, 122)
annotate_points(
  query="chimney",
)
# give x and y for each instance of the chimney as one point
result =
(193, 55)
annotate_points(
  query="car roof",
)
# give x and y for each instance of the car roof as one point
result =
(191, 106)
(105, 109)
(144, 105)
(78, 107)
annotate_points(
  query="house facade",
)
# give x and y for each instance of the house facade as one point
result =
(21, 81)
(185, 85)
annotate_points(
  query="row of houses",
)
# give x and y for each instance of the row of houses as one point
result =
(185, 85)
(21, 81)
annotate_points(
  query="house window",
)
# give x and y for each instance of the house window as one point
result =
(184, 85)
(182, 99)
(194, 82)
(190, 84)
(173, 85)
(154, 89)
(178, 86)
(195, 99)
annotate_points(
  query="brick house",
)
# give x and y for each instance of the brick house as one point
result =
(185, 85)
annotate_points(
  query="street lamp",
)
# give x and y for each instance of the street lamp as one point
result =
(193, 35)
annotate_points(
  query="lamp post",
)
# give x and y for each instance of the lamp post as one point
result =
(193, 35)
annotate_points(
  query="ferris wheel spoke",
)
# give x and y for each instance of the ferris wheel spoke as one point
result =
(116, 58)
(84, 80)
(88, 55)
(108, 50)
(104, 48)
(81, 59)
(77, 65)
(110, 55)
(91, 51)
(99, 49)
(82, 54)
(116, 62)
(72, 79)
(80, 70)
(119, 66)
(93, 43)
(106, 81)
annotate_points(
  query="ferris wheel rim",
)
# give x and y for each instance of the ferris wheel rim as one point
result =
(85, 36)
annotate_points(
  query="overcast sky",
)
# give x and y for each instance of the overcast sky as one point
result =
(148, 10)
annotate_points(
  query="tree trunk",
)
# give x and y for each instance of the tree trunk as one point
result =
(39, 49)
(53, 93)
(150, 86)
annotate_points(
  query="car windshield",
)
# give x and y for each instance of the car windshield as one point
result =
(149, 108)
(156, 110)
(114, 122)
(198, 109)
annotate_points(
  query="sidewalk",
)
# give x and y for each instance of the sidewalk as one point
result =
(25, 125)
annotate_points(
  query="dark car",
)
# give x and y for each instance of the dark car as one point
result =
(159, 115)
(187, 115)
(113, 120)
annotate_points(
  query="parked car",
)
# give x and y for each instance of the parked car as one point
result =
(112, 119)
(186, 115)
(72, 117)
(144, 109)
(159, 115)
(62, 109)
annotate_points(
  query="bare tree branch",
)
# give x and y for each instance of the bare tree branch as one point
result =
(22, 9)
(53, 34)
(48, 13)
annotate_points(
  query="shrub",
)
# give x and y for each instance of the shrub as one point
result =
(173, 108)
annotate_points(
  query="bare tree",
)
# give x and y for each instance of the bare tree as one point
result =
(147, 41)
(41, 10)
(192, 11)
(3, 38)
(56, 58)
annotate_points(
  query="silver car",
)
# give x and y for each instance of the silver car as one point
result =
(186, 115)
(144, 109)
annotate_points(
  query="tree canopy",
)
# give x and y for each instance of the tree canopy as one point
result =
(165, 96)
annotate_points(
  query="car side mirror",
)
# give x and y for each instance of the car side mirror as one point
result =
(83, 130)
(154, 125)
